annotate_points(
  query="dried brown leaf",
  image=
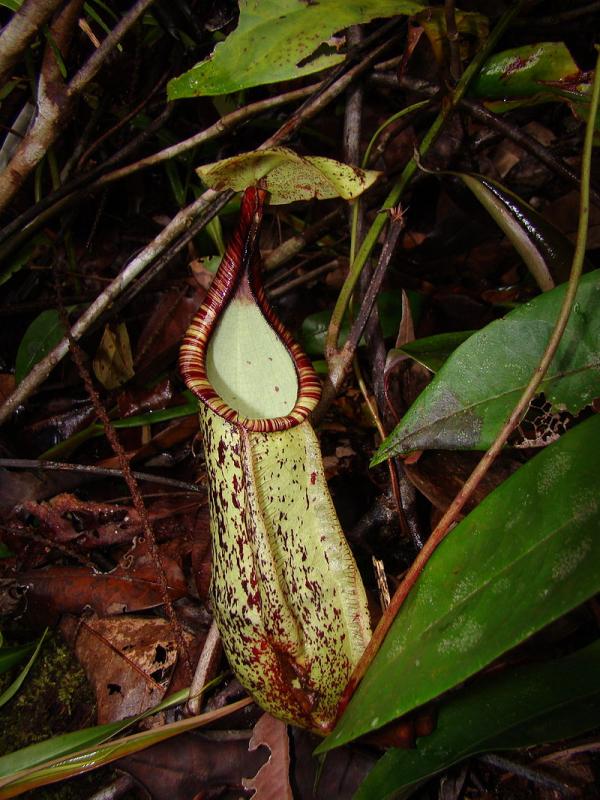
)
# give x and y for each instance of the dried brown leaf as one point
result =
(272, 781)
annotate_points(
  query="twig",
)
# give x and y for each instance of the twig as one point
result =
(353, 110)
(207, 205)
(530, 773)
(223, 125)
(343, 361)
(132, 484)
(101, 472)
(39, 214)
(209, 658)
(453, 39)
(53, 110)
(451, 515)
(560, 18)
(302, 279)
(24, 24)
(503, 126)
(204, 205)
(393, 197)
(295, 244)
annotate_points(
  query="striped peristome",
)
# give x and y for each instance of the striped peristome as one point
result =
(242, 260)
(287, 595)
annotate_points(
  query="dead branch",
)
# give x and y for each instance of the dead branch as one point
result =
(55, 99)
(23, 26)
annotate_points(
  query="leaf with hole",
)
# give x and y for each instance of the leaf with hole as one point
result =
(468, 401)
(278, 40)
(525, 556)
(288, 176)
(521, 707)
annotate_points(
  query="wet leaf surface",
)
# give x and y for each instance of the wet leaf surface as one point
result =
(521, 707)
(527, 554)
(466, 404)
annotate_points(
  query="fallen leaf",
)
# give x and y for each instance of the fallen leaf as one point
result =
(128, 660)
(191, 766)
(113, 362)
(66, 589)
(272, 781)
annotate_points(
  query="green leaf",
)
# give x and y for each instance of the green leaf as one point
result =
(525, 556)
(389, 304)
(14, 687)
(15, 783)
(22, 257)
(274, 41)
(44, 333)
(535, 73)
(545, 250)
(522, 707)
(288, 176)
(5, 552)
(36, 754)
(139, 420)
(430, 351)
(466, 404)
(11, 656)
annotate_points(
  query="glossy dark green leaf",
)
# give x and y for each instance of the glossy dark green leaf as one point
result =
(534, 73)
(430, 351)
(525, 556)
(44, 333)
(276, 40)
(522, 707)
(466, 404)
(545, 250)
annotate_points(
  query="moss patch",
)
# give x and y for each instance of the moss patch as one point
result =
(54, 699)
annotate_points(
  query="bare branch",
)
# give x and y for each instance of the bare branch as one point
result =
(55, 101)
(23, 26)
(207, 205)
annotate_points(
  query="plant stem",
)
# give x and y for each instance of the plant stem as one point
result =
(100, 472)
(407, 174)
(24, 24)
(451, 515)
(196, 214)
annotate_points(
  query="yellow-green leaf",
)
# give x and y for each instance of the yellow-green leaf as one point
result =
(288, 176)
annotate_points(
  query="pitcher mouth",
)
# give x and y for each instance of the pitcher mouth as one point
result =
(238, 279)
